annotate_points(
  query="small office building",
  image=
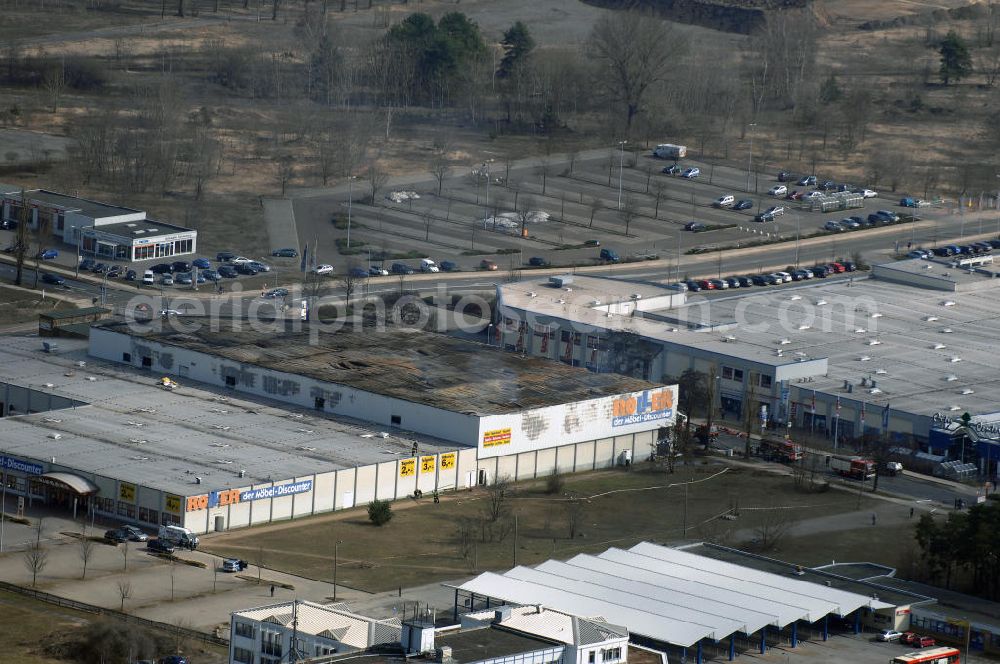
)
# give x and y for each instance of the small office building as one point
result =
(102, 230)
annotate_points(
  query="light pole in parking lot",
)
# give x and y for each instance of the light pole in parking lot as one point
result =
(621, 166)
(336, 553)
(752, 126)
(350, 201)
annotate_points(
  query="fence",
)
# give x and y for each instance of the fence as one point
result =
(117, 615)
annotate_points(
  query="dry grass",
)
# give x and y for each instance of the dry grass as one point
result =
(18, 306)
(421, 544)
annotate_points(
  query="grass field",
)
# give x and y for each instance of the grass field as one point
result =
(423, 542)
(17, 306)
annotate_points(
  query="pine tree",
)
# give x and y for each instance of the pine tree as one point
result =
(517, 46)
(956, 63)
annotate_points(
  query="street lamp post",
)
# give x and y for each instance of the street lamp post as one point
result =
(336, 552)
(621, 166)
(753, 125)
(486, 212)
(350, 201)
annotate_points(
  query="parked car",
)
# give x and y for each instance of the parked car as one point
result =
(131, 275)
(358, 273)
(706, 284)
(812, 194)
(231, 565)
(99, 268)
(807, 181)
(719, 284)
(759, 280)
(849, 266)
(134, 533)
(799, 275)
(888, 214)
(778, 190)
(260, 267)
(224, 256)
(820, 271)
(609, 255)
(8, 225)
(849, 223)
(237, 260)
(209, 275)
(148, 278)
(202, 263)
(785, 176)
(249, 270)
(794, 195)
(694, 226)
(592, 243)
(538, 261)
(180, 266)
(378, 271)
(450, 266)
(53, 279)
(829, 185)
(115, 536)
(323, 268)
(87, 264)
(167, 280)
(925, 642)
(276, 293)
(285, 253)
(428, 265)
(678, 286)
(228, 272)
(693, 286)
(48, 254)
(890, 635)
(763, 217)
(160, 546)
(672, 169)
(115, 271)
(161, 268)
(732, 282)
(775, 211)
(743, 204)
(402, 268)
(691, 173)
(745, 282)
(726, 201)
(833, 226)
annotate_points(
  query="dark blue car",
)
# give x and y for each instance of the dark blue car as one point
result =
(202, 263)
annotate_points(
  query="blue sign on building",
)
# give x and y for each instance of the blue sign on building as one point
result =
(10, 463)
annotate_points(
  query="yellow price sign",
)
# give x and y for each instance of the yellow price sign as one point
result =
(173, 504)
(427, 464)
(126, 492)
(407, 467)
(448, 461)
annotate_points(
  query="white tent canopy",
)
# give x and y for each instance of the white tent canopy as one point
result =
(668, 594)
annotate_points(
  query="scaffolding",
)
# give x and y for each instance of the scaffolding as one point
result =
(832, 202)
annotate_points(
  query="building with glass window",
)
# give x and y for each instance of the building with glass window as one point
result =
(98, 229)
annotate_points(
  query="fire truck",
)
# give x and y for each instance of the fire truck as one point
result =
(784, 450)
(857, 468)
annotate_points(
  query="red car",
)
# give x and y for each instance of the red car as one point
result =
(908, 638)
(838, 268)
(794, 196)
(924, 642)
(706, 285)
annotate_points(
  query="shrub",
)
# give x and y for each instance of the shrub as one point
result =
(554, 484)
(379, 512)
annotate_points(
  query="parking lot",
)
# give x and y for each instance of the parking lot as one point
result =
(561, 210)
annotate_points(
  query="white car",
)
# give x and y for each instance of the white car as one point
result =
(325, 268)
(890, 635)
(869, 193)
(240, 260)
(785, 276)
(691, 173)
(813, 194)
(170, 312)
(778, 190)
(427, 265)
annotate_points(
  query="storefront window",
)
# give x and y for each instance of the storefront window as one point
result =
(126, 509)
(147, 515)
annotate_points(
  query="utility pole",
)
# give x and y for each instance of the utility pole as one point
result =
(336, 552)
(621, 167)
(515, 539)
(350, 201)
(753, 125)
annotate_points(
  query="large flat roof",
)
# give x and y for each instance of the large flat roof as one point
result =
(928, 350)
(136, 431)
(473, 645)
(90, 208)
(141, 228)
(670, 595)
(407, 364)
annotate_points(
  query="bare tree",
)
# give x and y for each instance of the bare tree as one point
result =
(427, 216)
(659, 190)
(123, 549)
(772, 525)
(349, 282)
(628, 213)
(377, 177)
(634, 51)
(440, 168)
(21, 238)
(259, 561)
(35, 559)
(524, 213)
(86, 552)
(54, 82)
(574, 510)
(596, 205)
(497, 494)
(124, 587)
(544, 170)
(284, 169)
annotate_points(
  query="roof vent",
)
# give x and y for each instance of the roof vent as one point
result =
(864, 358)
(560, 281)
(880, 372)
(876, 315)
(785, 342)
(805, 327)
(931, 319)
(875, 390)
(956, 359)
(939, 346)
(954, 408)
(820, 303)
(874, 342)
(197, 480)
(948, 303)
(860, 330)
(795, 297)
(560, 301)
(952, 378)
(968, 390)
(729, 338)
(55, 436)
(946, 330)
(595, 303)
(532, 294)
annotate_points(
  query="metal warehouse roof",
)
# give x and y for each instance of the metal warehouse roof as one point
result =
(669, 594)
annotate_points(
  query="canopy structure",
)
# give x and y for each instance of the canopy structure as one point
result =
(670, 595)
(70, 482)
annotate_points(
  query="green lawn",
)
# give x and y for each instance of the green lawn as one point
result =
(17, 306)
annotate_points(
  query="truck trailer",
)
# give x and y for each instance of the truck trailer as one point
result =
(670, 151)
(780, 449)
(857, 468)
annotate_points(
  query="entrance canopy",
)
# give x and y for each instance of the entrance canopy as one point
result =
(70, 482)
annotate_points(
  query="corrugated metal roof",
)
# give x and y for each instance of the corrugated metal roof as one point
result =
(320, 620)
(669, 594)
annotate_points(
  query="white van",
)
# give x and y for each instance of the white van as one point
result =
(148, 278)
(180, 536)
(726, 201)
(427, 265)
(670, 151)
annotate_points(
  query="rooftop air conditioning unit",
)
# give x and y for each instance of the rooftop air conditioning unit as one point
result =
(560, 281)
(951, 379)
(55, 436)
(636, 296)
(595, 303)
(968, 390)
(939, 346)
(532, 294)
(931, 319)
